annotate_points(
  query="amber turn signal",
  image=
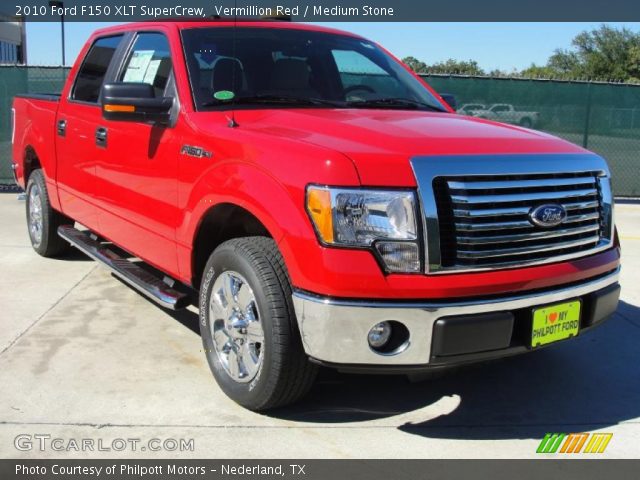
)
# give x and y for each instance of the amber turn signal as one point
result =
(319, 207)
(119, 108)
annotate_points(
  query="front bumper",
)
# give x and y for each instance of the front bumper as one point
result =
(441, 333)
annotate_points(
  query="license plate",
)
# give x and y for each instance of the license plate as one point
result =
(555, 322)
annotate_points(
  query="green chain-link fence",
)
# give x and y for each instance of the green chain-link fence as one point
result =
(605, 118)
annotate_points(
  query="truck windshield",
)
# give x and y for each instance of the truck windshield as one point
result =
(255, 66)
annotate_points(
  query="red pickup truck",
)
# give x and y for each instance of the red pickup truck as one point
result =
(319, 203)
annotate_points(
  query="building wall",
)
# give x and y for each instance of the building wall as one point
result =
(12, 41)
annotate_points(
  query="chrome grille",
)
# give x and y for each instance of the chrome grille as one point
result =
(484, 220)
(476, 209)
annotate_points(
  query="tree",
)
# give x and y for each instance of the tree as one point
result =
(634, 63)
(414, 64)
(540, 71)
(605, 53)
(496, 72)
(565, 63)
(461, 67)
(469, 67)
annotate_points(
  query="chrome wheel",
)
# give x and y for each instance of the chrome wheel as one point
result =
(237, 333)
(35, 215)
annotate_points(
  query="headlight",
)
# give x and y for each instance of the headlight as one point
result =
(366, 218)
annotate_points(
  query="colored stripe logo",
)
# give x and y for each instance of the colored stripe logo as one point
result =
(574, 443)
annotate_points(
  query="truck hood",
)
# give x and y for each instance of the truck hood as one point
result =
(383, 141)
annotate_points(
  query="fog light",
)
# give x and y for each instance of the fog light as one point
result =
(399, 256)
(379, 335)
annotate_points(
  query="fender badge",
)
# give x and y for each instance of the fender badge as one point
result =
(197, 152)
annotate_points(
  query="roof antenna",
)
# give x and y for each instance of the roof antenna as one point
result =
(232, 120)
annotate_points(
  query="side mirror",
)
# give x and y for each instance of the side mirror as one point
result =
(450, 99)
(134, 102)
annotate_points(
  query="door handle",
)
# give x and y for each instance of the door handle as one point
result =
(101, 137)
(61, 127)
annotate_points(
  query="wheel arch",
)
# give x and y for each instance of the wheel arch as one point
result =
(271, 205)
(220, 223)
(30, 162)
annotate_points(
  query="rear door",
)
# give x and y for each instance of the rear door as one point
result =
(137, 189)
(78, 119)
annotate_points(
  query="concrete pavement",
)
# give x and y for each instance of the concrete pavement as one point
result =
(82, 356)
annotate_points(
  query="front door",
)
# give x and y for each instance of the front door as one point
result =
(137, 178)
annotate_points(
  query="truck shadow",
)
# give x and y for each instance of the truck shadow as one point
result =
(589, 383)
(592, 382)
(74, 255)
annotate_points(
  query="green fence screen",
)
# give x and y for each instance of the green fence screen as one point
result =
(604, 118)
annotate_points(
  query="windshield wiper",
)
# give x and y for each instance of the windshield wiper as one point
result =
(273, 99)
(293, 100)
(393, 103)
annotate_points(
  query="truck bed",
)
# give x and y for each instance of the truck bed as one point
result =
(35, 132)
(49, 97)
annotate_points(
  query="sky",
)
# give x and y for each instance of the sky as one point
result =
(504, 46)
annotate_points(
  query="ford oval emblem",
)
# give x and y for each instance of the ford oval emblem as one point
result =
(548, 215)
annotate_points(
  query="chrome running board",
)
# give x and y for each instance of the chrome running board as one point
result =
(143, 281)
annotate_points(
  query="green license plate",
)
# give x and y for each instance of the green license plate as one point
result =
(555, 322)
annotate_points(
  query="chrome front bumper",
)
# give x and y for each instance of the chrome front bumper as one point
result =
(335, 331)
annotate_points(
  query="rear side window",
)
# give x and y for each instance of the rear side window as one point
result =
(93, 69)
(149, 62)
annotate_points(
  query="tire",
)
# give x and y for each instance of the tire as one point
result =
(526, 122)
(249, 328)
(42, 220)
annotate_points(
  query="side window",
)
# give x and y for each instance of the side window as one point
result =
(149, 62)
(93, 69)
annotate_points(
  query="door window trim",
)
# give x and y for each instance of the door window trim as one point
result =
(108, 74)
(170, 88)
(131, 43)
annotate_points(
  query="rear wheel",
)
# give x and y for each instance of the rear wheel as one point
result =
(42, 220)
(526, 122)
(249, 328)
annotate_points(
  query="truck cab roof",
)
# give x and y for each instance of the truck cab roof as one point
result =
(182, 24)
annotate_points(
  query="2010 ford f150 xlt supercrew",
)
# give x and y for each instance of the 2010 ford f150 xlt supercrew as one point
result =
(321, 202)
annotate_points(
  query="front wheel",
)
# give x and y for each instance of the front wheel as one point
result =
(249, 328)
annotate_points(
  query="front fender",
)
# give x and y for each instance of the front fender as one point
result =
(277, 201)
